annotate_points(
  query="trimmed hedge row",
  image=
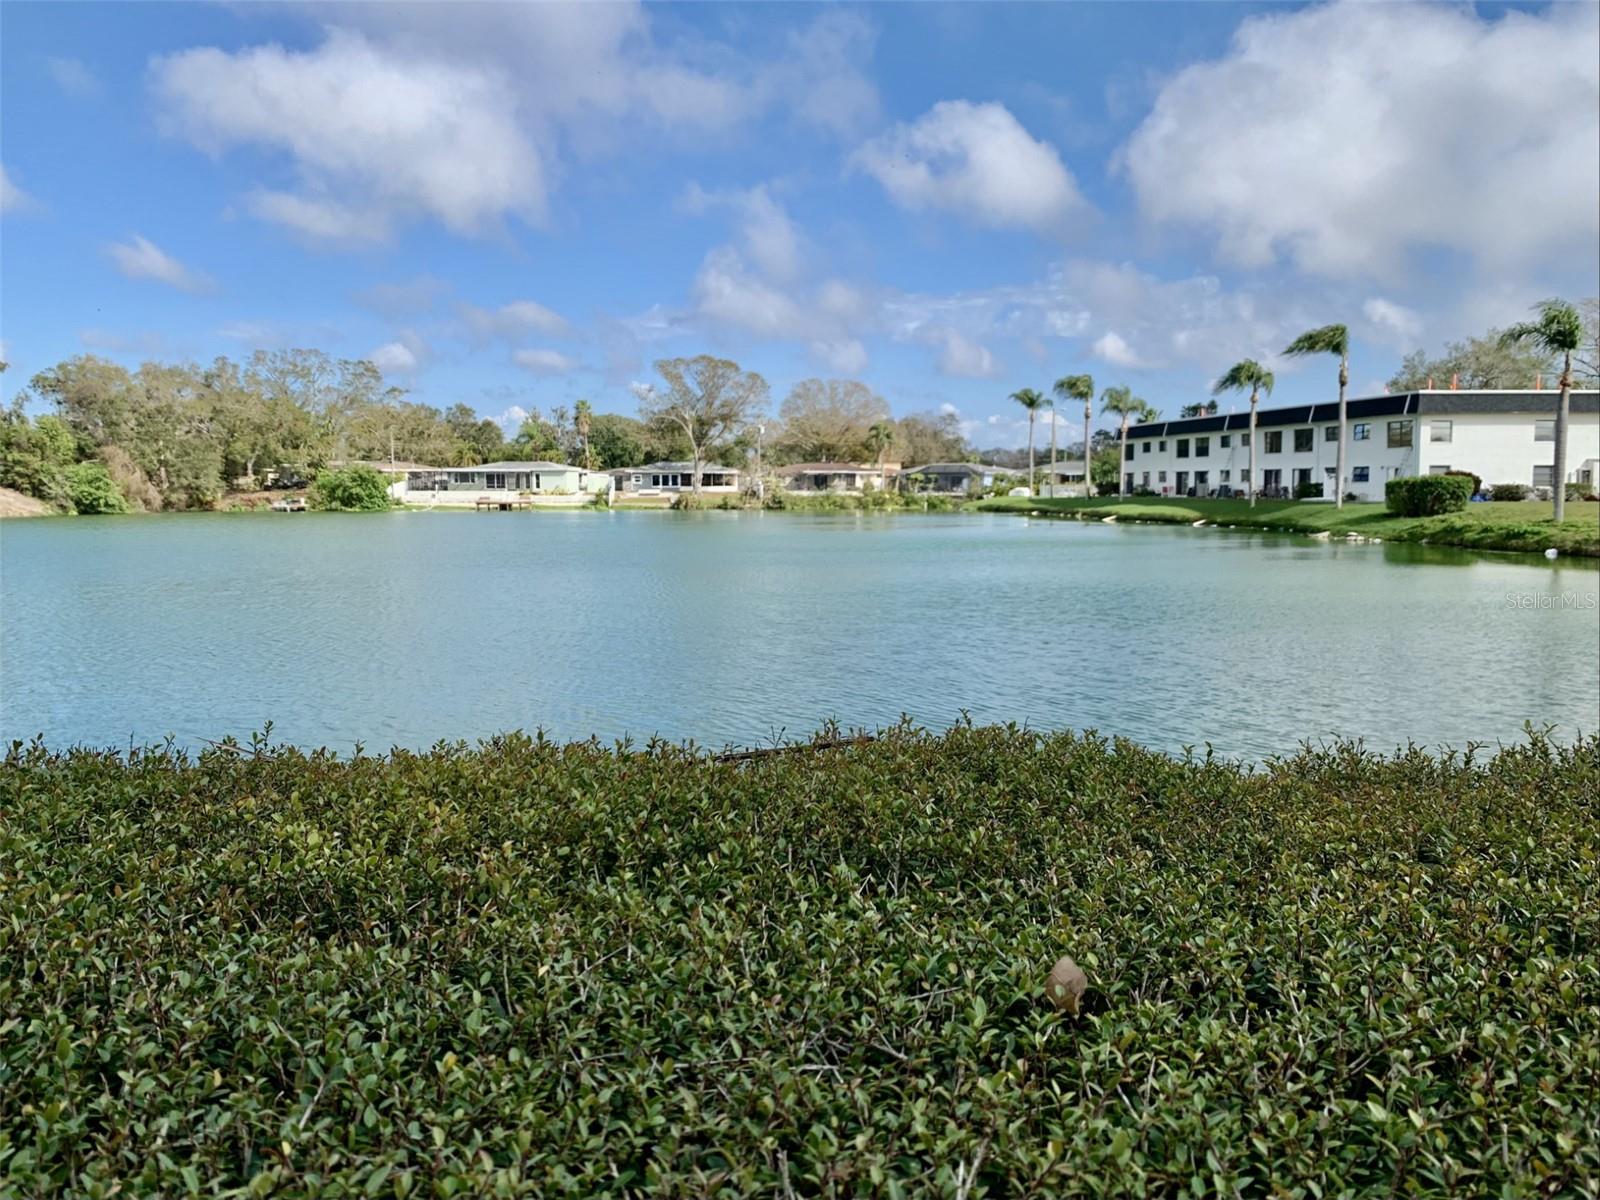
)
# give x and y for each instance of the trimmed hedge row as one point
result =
(1428, 495)
(536, 970)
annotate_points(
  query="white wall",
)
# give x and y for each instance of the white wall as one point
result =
(1499, 447)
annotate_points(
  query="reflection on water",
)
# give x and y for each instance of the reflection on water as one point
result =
(736, 628)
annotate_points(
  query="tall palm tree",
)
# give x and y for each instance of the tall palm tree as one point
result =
(1033, 401)
(1330, 339)
(1080, 387)
(582, 412)
(1248, 373)
(1559, 330)
(1124, 403)
(879, 439)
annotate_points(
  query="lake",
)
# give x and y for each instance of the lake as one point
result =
(738, 628)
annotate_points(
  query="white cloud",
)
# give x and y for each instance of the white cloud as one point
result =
(1110, 347)
(143, 259)
(962, 356)
(12, 198)
(726, 291)
(975, 160)
(320, 220)
(544, 362)
(766, 234)
(847, 357)
(403, 356)
(416, 135)
(73, 77)
(1397, 323)
(465, 113)
(511, 420)
(1347, 136)
(517, 319)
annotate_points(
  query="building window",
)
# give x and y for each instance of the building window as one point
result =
(1302, 441)
(1200, 480)
(1145, 481)
(1224, 440)
(1161, 476)
(637, 480)
(1129, 454)
(1361, 431)
(1163, 446)
(1399, 434)
(1275, 442)
(1544, 430)
(495, 481)
(1544, 476)
(1202, 447)
(1360, 474)
(1244, 441)
(1144, 447)
(1439, 469)
(1224, 474)
(1330, 433)
(1183, 447)
(1439, 431)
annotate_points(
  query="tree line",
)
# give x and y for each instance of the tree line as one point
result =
(182, 436)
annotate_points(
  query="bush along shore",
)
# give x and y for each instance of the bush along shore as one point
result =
(1524, 527)
(527, 969)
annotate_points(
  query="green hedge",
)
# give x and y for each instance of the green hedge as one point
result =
(1427, 495)
(351, 489)
(573, 971)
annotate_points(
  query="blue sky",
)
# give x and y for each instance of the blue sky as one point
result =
(518, 206)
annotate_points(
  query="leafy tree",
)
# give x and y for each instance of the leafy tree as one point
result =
(1335, 340)
(1105, 470)
(617, 441)
(91, 490)
(34, 455)
(1033, 401)
(474, 439)
(930, 437)
(709, 399)
(1121, 401)
(879, 438)
(357, 488)
(537, 439)
(1199, 409)
(1586, 361)
(828, 420)
(1247, 373)
(1480, 362)
(1558, 331)
(1081, 389)
(582, 424)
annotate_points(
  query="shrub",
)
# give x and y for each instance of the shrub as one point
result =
(1509, 491)
(1580, 491)
(1427, 495)
(130, 479)
(350, 489)
(92, 491)
(1307, 490)
(540, 970)
(1477, 481)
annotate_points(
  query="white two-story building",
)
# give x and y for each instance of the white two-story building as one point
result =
(1501, 436)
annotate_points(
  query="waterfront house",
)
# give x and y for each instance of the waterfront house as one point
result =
(836, 477)
(466, 485)
(1500, 436)
(667, 478)
(956, 478)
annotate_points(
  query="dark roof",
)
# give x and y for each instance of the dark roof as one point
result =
(1399, 404)
(960, 468)
(705, 468)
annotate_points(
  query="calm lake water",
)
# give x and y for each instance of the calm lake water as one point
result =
(727, 628)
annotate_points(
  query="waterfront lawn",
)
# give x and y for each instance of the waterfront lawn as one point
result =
(1516, 525)
(536, 970)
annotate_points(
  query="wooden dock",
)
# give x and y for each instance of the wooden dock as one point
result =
(502, 503)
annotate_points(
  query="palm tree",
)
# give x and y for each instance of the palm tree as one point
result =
(1330, 339)
(879, 439)
(1124, 403)
(1033, 401)
(582, 411)
(1559, 330)
(1248, 373)
(1080, 387)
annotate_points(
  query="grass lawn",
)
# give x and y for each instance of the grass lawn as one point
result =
(1518, 525)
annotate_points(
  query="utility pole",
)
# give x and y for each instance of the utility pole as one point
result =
(761, 482)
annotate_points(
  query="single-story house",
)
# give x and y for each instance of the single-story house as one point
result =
(666, 477)
(1063, 479)
(836, 477)
(464, 485)
(954, 478)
